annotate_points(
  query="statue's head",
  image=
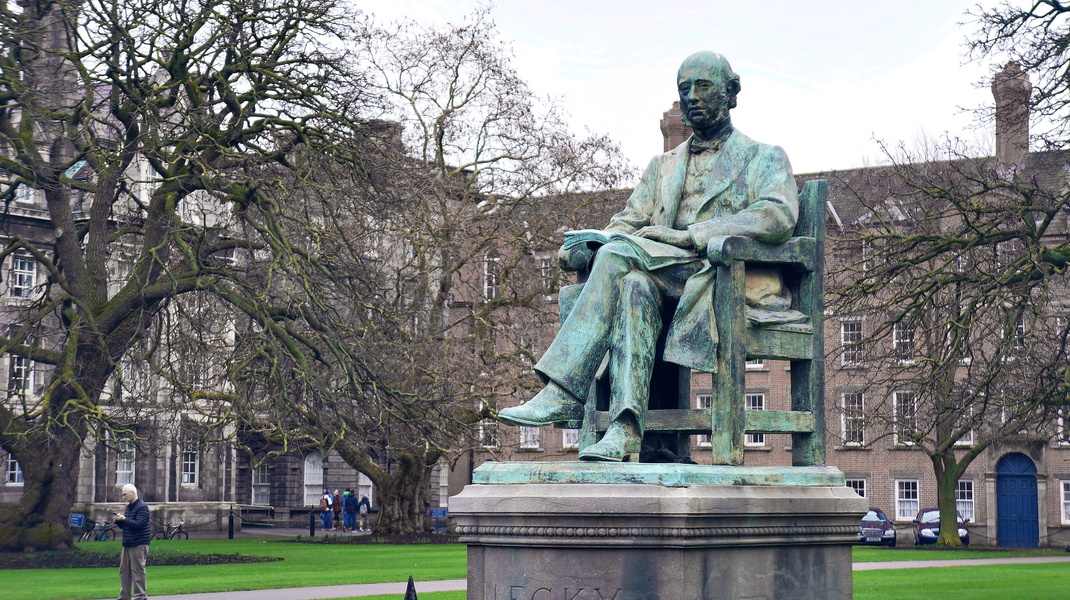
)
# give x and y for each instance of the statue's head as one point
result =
(708, 87)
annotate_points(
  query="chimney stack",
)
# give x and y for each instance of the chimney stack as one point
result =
(673, 128)
(1011, 89)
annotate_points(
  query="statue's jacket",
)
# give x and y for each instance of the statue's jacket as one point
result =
(750, 192)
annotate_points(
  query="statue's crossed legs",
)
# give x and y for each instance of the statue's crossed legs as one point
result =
(618, 311)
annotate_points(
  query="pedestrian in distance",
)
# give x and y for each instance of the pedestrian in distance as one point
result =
(349, 505)
(326, 500)
(134, 521)
(363, 508)
(336, 508)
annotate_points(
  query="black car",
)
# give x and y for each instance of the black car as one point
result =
(927, 527)
(877, 529)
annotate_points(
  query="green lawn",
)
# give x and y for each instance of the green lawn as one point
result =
(314, 565)
(304, 565)
(989, 582)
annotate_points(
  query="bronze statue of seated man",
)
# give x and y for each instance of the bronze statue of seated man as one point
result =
(718, 182)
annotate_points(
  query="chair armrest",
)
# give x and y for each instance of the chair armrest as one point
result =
(726, 249)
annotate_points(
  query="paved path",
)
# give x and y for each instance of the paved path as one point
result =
(454, 585)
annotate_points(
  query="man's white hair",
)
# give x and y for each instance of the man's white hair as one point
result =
(130, 488)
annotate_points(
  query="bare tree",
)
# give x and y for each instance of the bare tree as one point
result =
(958, 265)
(147, 129)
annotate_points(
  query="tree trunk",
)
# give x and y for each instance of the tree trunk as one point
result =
(403, 500)
(948, 471)
(40, 521)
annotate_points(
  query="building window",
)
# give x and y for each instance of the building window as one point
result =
(190, 463)
(906, 500)
(124, 463)
(964, 498)
(262, 484)
(858, 485)
(906, 416)
(755, 364)
(20, 378)
(1066, 503)
(754, 402)
(854, 429)
(703, 401)
(313, 478)
(962, 421)
(23, 276)
(24, 194)
(1062, 435)
(570, 439)
(14, 472)
(487, 433)
(903, 342)
(529, 438)
(547, 272)
(851, 342)
(491, 275)
(364, 488)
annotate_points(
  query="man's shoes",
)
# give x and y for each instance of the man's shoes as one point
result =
(620, 443)
(552, 405)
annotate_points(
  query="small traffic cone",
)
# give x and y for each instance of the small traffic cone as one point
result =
(410, 593)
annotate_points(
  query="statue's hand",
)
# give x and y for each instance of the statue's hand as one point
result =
(660, 233)
(574, 259)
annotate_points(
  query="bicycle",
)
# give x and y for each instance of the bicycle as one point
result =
(171, 532)
(98, 532)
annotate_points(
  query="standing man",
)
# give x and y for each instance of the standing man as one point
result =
(718, 182)
(326, 500)
(135, 525)
(349, 505)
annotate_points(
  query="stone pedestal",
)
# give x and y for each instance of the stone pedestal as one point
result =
(650, 532)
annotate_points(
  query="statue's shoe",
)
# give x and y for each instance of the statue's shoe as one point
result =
(620, 443)
(552, 405)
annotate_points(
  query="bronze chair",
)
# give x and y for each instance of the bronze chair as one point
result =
(670, 420)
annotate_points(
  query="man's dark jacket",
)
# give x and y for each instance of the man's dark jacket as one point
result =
(136, 526)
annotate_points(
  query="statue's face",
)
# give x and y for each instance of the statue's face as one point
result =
(703, 97)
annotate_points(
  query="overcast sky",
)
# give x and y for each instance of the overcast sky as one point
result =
(822, 78)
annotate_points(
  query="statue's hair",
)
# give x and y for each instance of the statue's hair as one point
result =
(714, 60)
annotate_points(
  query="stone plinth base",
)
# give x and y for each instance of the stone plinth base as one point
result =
(623, 540)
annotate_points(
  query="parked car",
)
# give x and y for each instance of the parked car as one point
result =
(927, 527)
(877, 529)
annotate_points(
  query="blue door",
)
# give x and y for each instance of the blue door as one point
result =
(1018, 523)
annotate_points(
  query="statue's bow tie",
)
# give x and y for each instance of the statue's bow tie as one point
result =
(713, 145)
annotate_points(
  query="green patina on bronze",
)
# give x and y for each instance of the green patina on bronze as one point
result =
(670, 475)
(722, 261)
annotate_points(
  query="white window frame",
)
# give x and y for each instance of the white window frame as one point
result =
(546, 272)
(755, 364)
(21, 376)
(964, 498)
(487, 433)
(14, 476)
(491, 275)
(903, 343)
(704, 401)
(570, 439)
(261, 485)
(23, 276)
(903, 420)
(24, 194)
(907, 499)
(365, 487)
(1064, 517)
(851, 350)
(529, 438)
(313, 475)
(1062, 434)
(125, 462)
(854, 418)
(966, 413)
(858, 485)
(754, 401)
(190, 464)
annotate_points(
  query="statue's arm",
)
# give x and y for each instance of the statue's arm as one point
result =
(771, 215)
(635, 216)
